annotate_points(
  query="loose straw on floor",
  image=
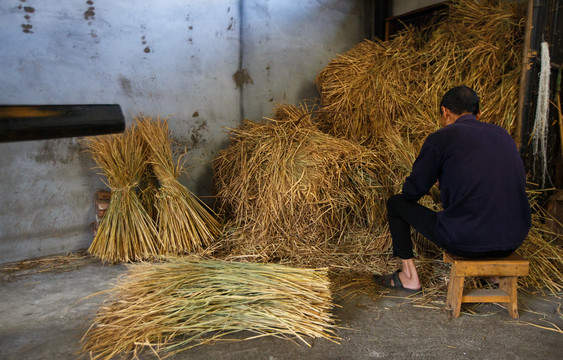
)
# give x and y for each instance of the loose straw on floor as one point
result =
(182, 303)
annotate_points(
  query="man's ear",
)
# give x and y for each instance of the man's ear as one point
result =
(447, 114)
(478, 116)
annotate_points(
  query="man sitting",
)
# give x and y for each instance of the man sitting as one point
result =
(482, 187)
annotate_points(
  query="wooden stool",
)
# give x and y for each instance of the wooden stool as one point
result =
(507, 269)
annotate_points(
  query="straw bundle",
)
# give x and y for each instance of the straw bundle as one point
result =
(173, 306)
(291, 188)
(126, 232)
(185, 224)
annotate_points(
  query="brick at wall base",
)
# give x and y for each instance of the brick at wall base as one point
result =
(101, 204)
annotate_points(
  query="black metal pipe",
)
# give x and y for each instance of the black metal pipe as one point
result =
(39, 122)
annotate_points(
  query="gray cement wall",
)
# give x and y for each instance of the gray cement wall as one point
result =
(157, 57)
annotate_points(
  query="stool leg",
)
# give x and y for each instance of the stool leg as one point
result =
(510, 286)
(455, 292)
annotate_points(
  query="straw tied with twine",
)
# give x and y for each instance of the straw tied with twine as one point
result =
(127, 232)
(141, 173)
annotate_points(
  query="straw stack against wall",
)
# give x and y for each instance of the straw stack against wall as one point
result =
(127, 232)
(185, 224)
(386, 95)
(399, 83)
(291, 188)
(176, 305)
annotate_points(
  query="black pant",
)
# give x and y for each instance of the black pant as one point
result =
(402, 214)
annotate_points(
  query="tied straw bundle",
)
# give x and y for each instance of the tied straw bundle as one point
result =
(176, 305)
(185, 224)
(126, 232)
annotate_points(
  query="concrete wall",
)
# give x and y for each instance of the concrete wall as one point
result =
(400, 7)
(285, 45)
(210, 63)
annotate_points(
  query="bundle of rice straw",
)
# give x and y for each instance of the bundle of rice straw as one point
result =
(176, 305)
(126, 232)
(185, 224)
(291, 189)
(386, 95)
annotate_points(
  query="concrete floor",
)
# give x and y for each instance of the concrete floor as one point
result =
(44, 315)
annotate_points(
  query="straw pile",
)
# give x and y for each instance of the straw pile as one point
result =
(291, 188)
(126, 232)
(389, 93)
(176, 305)
(399, 83)
(185, 224)
(543, 252)
(383, 96)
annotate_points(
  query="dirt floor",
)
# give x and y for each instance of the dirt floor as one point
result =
(44, 312)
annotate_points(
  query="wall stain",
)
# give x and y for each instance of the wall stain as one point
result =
(126, 86)
(231, 25)
(146, 48)
(57, 151)
(195, 114)
(94, 36)
(27, 28)
(196, 136)
(190, 28)
(241, 78)
(90, 13)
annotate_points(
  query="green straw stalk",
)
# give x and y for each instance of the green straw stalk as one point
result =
(182, 303)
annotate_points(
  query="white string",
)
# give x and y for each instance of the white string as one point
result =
(541, 123)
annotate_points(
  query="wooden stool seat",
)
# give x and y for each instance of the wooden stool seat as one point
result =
(507, 269)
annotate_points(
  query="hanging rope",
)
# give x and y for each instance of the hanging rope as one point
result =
(541, 123)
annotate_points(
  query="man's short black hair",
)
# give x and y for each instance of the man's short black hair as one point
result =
(461, 99)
